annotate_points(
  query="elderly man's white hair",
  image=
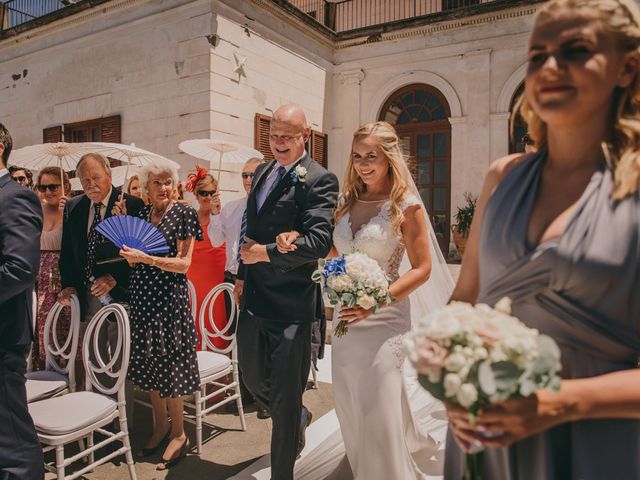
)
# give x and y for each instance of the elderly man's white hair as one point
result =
(156, 168)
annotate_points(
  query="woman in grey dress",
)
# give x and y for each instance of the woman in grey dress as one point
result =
(558, 231)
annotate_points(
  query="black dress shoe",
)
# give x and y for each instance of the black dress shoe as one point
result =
(148, 451)
(172, 462)
(263, 412)
(305, 421)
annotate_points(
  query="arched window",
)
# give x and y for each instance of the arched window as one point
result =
(517, 133)
(420, 114)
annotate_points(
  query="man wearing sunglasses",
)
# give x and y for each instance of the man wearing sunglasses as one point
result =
(20, 227)
(22, 176)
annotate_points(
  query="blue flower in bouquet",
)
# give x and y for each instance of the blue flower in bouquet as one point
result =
(335, 266)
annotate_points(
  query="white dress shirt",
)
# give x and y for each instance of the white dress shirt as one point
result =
(225, 227)
(103, 210)
(4, 172)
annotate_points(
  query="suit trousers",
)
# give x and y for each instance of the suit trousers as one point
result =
(107, 339)
(275, 358)
(20, 451)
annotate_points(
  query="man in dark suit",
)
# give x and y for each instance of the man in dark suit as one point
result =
(84, 252)
(278, 297)
(20, 227)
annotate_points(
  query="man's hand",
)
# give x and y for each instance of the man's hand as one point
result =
(103, 285)
(119, 207)
(64, 297)
(252, 252)
(238, 289)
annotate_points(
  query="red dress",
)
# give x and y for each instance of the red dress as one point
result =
(207, 271)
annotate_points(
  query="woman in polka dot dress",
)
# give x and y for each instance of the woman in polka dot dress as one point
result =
(163, 336)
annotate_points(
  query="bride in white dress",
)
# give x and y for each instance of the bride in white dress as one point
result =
(380, 215)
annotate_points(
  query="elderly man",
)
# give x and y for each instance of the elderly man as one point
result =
(278, 304)
(83, 269)
(83, 249)
(20, 227)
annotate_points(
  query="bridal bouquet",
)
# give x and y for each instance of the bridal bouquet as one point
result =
(474, 356)
(353, 280)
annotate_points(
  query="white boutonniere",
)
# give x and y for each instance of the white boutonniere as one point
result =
(299, 174)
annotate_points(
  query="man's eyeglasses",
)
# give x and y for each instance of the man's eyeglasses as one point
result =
(246, 175)
(19, 178)
(283, 138)
(204, 193)
(53, 187)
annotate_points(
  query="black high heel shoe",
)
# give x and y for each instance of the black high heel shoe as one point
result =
(167, 464)
(148, 451)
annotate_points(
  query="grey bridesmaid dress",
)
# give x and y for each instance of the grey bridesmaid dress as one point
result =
(582, 289)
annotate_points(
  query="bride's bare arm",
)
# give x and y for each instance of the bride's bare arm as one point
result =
(284, 243)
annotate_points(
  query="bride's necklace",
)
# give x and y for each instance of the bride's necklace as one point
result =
(373, 201)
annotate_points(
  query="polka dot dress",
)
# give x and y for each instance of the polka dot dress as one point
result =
(163, 334)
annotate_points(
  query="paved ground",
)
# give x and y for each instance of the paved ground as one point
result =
(226, 453)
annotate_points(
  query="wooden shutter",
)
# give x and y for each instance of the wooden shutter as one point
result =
(261, 135)
(52, 134)
(318, 147)
(111, 130)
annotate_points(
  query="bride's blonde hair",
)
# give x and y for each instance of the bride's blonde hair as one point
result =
(353, 187)
(621, 18)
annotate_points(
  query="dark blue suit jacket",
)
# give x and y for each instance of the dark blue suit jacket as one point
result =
(20, 227)
(282, 290)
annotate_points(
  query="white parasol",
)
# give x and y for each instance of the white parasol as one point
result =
(61, 154)
(215, 151)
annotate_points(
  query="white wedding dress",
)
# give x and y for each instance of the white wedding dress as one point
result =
(382, 439)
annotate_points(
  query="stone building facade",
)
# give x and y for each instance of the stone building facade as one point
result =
(171, 70)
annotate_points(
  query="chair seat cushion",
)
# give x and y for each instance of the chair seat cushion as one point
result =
(71, 412)
(44, 384)
(210, 363)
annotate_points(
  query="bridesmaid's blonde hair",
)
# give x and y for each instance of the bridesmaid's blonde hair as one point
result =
(353, 187)
(621, 18)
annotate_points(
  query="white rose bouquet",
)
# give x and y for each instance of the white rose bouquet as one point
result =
(353, 280)
(474, 356)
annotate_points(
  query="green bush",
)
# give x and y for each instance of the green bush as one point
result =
(464, 215)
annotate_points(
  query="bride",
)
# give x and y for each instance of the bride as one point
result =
(381, 215)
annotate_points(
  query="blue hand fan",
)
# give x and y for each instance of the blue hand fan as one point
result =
(134, 233)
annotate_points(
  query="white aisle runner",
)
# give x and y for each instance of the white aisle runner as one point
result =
(324, 449)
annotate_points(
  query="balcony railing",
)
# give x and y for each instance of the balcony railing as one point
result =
(17, 12)
(346, 15)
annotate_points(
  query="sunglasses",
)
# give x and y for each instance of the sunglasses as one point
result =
(246, 175)
(53, 187)
(202, 193)
(19, 178)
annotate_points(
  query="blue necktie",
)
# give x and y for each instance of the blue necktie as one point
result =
(91, 247)
(243, 232)
(280, 172)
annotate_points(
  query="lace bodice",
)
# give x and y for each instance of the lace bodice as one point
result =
(52, 239)
(374, 238)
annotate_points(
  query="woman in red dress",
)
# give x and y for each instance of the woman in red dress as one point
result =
(207, 265)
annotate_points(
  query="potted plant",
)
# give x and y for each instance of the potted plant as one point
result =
(463, 216)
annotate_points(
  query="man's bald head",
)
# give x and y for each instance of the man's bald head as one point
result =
(288, 133)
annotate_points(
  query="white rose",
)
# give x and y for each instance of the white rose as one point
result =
(367, 302)
(455, 362)
(467, 395)
(451, 384)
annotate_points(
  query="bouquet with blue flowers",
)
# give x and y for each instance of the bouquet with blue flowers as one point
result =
(353, 280)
